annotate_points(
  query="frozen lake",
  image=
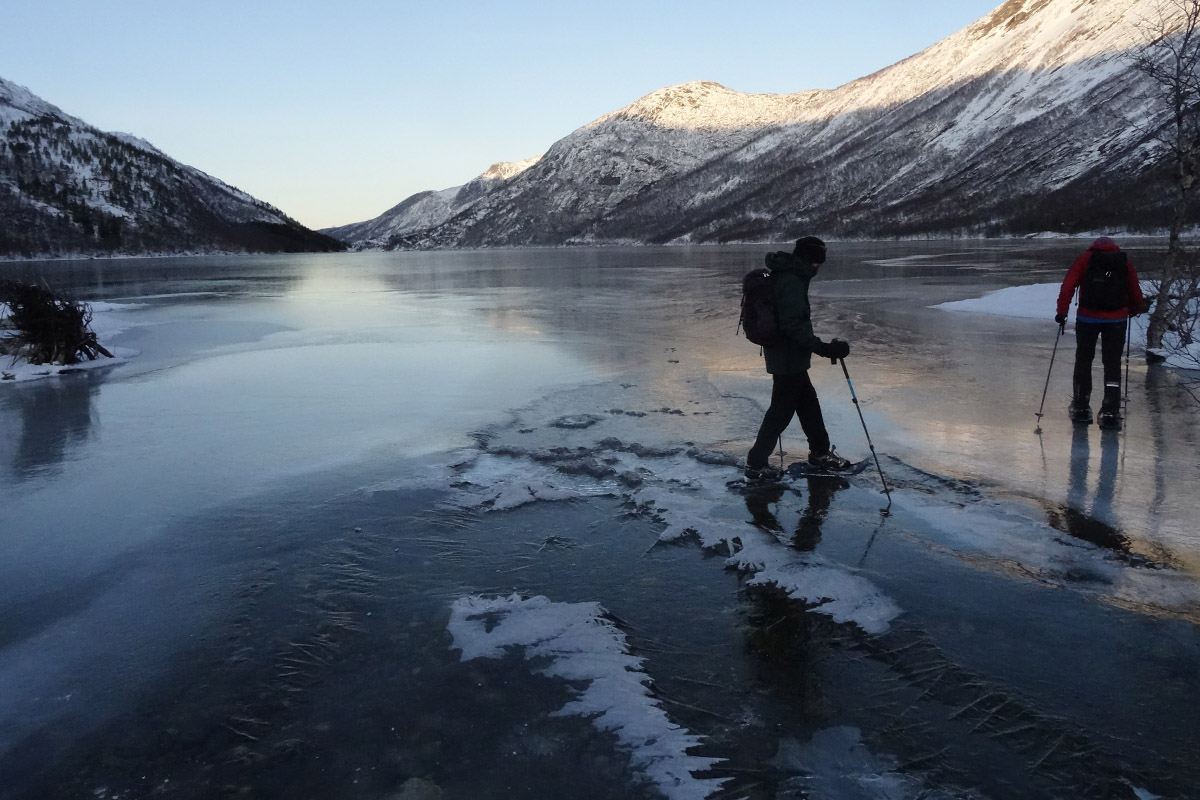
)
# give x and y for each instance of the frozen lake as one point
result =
(383, 525)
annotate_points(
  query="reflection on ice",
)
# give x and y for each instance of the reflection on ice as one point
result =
(1007, 537)
(836, 763)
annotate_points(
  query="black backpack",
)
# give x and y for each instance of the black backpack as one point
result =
(1104, 286)
(758, 320)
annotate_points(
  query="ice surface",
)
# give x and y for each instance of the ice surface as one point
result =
(688, 498)
(836, 763)
(581, 645)
(517, 422)
(1008, 538)
(1038, 301)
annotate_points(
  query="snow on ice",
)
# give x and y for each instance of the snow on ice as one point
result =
(108, 320)
(688, 498)
(583, 646)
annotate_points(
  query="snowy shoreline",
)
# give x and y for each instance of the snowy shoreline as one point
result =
(1041, 236)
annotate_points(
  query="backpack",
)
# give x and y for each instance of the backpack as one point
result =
(1104, 285)
(758, 320)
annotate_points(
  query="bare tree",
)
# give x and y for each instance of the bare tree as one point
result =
(1170, 58)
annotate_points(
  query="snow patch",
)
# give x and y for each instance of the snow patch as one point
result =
(825, 587)
(582, 646)
(500, 483)
(1036, 301)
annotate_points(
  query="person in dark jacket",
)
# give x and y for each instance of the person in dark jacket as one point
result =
(792, 391)
(1109, 294)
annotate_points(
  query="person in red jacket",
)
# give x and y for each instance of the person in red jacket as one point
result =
(1109, 294)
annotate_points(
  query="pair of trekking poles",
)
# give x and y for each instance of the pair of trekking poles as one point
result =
(1062, 327)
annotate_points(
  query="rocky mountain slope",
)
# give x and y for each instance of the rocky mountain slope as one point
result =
(426, 209)
(1030, 119)
(67, 188)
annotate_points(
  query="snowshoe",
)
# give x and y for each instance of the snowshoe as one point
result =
(829, 462)
(764, 479)
(1109, 420)
(767, 474)
(800, 469)
(1080, 413)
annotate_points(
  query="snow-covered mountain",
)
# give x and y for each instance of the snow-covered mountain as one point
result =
(428, 209)
(1030, 119)
(68, 188)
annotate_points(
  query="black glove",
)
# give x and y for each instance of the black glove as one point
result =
(1061, 319)
(833, 350)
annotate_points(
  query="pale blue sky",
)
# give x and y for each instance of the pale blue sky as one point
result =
(336, 112)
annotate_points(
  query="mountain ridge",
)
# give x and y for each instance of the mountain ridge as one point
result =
(1029, 119)
(68, 188)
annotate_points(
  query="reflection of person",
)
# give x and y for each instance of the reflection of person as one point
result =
(1077, 483)
(792, 391)
(1109, 294)
(1093, 525)
(1102, 507)
(808, 528)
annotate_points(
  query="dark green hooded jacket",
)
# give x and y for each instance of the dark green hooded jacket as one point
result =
(791, 275)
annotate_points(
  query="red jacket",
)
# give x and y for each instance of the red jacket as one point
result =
(1075, 275)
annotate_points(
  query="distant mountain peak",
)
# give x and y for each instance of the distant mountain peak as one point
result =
(504, 170)
(17, 102)
(707, 105)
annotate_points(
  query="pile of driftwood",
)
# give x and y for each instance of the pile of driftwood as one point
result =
(44, 327)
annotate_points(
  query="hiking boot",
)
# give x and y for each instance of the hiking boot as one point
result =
(830, 461)
(1080, 412)
(765, 474)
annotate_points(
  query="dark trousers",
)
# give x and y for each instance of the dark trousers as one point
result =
(790, 394)
(1112, 342)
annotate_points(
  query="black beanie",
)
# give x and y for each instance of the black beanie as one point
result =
(811, 248)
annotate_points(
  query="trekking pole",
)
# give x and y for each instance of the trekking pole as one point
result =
(1062, 326)
(1128, 342)
(870, 444)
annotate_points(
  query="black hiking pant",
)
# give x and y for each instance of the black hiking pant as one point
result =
(790, 394)
(1112, 342)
